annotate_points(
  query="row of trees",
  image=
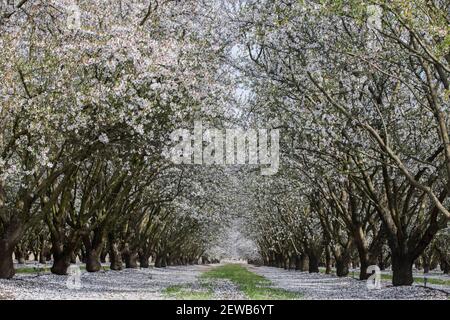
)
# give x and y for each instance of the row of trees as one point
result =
(294, 231)
(361, 91)
(89, 97)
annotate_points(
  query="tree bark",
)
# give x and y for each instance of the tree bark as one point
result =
(94, 250)
(8, 242)
(115, 257)
(131, 259)
(402, 270)
(73, 258)
(327, 260)
(342, 266)
(61, 262)
(363, 270)
(313, 262)
(292, 262)
(445, 267)
(143, 260)
(426, 267)
(298, 264)
(158, 261)
(20, 257)
(6, 260)
(93, 261)
(63, 254)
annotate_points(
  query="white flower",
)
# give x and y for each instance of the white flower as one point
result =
(103, 138)
(155, 86)
(139, 129)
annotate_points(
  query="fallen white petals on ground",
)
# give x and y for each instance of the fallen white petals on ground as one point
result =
(130, 284)
(319, 286)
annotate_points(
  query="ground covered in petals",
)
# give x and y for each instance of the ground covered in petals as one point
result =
(205, 282)
(323, 286)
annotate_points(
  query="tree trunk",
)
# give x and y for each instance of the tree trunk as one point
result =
(158, 263)
(342, 266)
(205, 260)
(279, 261)
(445, 267)
(383, 262)
(298, 263)
(304, 260)
(8, 242)
(426, 268)
(61, 262)
(42, 256)
(63, 252)
(93, 261)
(6, 260)
(363, 255)
(116, 262)
(143, 260)
(73, 258)
(20, 257)
(115, 256)
(301, 262)
(83, 255)
(291, 263)
(327, 260)
(402, 270)
(42, 250)
(363, 270)
(130, 259)
(93, 251)
(313, 262)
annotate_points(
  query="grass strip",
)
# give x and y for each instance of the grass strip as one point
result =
(254, 286)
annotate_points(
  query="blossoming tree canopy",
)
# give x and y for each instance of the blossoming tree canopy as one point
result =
(92, 92)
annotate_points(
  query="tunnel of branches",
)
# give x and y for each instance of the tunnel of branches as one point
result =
(92, 101)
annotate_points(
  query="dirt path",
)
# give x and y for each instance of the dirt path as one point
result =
(152, 284)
